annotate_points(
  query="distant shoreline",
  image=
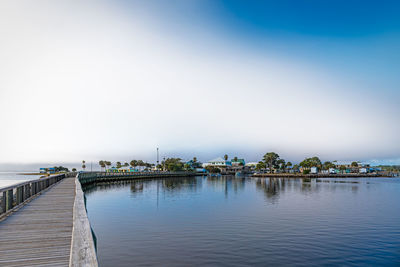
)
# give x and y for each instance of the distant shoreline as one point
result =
(345, 175)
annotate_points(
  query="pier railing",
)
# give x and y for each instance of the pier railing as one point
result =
(15, 195)
(92, 177)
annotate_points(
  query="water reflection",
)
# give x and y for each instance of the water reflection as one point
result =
(272, 188)
(228, 221)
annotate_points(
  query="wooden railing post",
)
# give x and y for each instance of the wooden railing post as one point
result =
(9, 200)
(3, 202)
(19, 195)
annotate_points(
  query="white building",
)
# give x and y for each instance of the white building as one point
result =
(218, 162)
(314, 170)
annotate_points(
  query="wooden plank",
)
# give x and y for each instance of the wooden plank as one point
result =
(39, 234)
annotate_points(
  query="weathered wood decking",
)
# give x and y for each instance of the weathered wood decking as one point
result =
(40, 233)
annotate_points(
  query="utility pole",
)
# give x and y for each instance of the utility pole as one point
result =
(158, 161)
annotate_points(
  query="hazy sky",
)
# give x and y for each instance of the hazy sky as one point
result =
(115, 79)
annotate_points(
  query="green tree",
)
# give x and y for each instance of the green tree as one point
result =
(354, 164)
(108, 163)
(235, 159)
(212, 169)
(118, 165)
(194, 159)
(311, 162)
(102, 165)
(83, 165)
(281, 164)
(225, 157)
(187, 167)
(296, 167)
(173, 164)
(327, 165)
(74, 169)
(260, 165)
(133, 163)
(289, 164)
(342, 168)
(270, 160)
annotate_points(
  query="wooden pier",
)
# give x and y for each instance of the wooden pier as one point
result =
(44, 222)
(39, 233)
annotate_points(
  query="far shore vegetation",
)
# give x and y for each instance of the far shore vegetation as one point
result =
(270, 163)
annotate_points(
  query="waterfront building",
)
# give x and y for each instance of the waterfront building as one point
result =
(194, 164)
(47, 170)
(218, 162)
(238, 162)
(333, 171)
(314, 170)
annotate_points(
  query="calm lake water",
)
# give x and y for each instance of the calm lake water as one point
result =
(230, 221)
(10, 178)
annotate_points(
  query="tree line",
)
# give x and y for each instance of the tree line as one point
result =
(272, 161)
(104, 164)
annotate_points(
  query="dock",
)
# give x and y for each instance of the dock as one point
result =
(40, 232)
(44, 222)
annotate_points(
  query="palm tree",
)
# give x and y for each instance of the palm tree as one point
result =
(225, 157)
(119, 165)
(108, 163)
(295, 167)
(101, 163)
(342, 168)
(133, 163)
(289, 164)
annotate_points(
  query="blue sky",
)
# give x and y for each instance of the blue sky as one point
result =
(355, 38)
(202, 78)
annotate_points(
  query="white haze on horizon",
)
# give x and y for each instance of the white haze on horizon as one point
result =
(82, 81)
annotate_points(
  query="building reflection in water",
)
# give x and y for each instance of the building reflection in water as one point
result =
(272, 188)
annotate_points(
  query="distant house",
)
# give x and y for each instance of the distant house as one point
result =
(47, 170)
(238, 162)
(332, 171)
(363, 170)
(125, 169)
(218, 162)
(314, 170)
(251, 165)
(194, 164)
